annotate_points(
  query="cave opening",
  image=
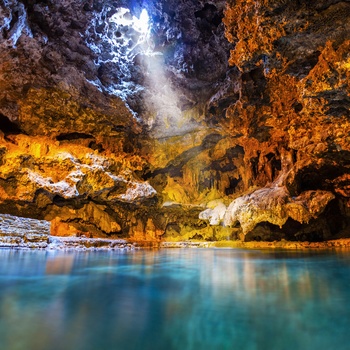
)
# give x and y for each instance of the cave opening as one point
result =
(163, 59)
(314, 178)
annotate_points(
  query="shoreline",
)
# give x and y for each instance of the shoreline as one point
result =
(56, 243)
(341, 243)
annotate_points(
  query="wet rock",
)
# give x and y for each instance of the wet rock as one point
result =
(273, 205)
(70, 184)
(17, 232)
(291, 66)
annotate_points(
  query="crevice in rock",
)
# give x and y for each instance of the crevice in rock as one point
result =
(209, 17)
(73, 136)
(233, 184)
(96, 146)
(301, 67)
(59, 201)
(2, 153)
(8, 127)
(314, 178)
(89, 227)
(226, 163)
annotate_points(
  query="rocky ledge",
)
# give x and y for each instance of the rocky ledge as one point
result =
(17, 232)
(23, 233)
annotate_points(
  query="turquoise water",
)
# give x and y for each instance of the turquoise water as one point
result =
(174, 299)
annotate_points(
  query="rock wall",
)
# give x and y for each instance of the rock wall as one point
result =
(291, 116)
(201, 119)
(67, 147)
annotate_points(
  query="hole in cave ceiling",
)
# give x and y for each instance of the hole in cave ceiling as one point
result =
(143, 57)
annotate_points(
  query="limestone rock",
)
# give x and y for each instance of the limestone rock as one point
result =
(241, 102)
(16, 232)
(80, 190)
(273, 205)
(215, 215)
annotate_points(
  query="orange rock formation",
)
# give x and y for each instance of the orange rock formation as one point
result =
(268, 156)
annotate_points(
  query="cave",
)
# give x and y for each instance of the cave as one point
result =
(128, 111)
(219, 129)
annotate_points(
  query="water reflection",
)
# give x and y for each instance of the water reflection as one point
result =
(174, 299)
(58, 265)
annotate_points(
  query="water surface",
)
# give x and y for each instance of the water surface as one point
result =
(174, 299)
